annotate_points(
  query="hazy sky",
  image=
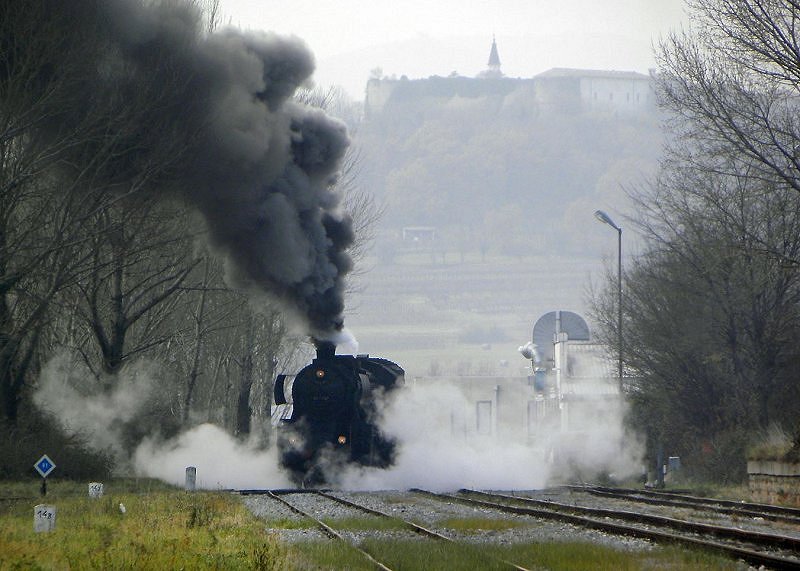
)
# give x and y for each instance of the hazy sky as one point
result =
(419, 38)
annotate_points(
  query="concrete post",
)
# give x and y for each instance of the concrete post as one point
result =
(191, 478)
(44, 518)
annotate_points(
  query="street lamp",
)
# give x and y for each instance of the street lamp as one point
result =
(606, 219)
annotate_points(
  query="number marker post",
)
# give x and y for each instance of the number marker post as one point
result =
(95, 490)
(44, 518)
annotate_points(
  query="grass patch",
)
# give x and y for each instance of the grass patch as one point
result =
(59, 488)
(578, 556)
(364, 523)
(329, 555)
(289, 523)
(431, 555)
(479, 524)
(162, 528)
(426, 555)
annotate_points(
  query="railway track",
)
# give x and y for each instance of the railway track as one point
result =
(284, 497)
(770, 550)
(677, 499)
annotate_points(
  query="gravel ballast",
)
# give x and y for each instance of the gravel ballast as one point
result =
(429, 513)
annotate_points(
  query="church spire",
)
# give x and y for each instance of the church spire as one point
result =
(494, 58)
(493, 70)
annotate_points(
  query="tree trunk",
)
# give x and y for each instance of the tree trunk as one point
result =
(8, 386)
(243, 410)
(194, 373)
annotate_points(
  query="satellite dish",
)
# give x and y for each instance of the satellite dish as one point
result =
(559, 321)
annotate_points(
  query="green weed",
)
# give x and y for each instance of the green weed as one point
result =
(159, 530)
(364, 523)
(479, 524)
(578, 556)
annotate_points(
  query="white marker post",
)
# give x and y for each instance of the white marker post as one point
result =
(191, 478)
(44, 518)
(95, 490)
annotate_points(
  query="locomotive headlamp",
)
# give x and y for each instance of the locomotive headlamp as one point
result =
(342, 439)
(320, 373)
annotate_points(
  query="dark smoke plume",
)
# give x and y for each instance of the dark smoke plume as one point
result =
(258, 165)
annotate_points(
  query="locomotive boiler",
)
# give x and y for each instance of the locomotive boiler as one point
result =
(325, 415)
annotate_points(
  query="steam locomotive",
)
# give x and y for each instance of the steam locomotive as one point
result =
(325, 414)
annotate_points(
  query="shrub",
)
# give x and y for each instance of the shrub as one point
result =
(35, 433)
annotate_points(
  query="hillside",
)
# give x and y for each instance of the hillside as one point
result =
(504, 187)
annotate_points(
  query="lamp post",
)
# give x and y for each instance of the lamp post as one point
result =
(606, 219)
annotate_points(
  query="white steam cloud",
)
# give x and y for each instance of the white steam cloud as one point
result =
(99, 417)
(221, 460)
(436, 453)
(346, 343)
(439, 447)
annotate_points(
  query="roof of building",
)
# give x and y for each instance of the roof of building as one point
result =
(558, 72)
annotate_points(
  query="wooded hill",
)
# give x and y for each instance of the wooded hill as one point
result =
(493, 168)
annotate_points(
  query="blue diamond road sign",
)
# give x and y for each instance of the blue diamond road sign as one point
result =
(44, 466)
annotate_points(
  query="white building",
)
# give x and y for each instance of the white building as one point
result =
(558, 89)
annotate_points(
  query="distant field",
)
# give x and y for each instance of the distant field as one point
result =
(468, 316)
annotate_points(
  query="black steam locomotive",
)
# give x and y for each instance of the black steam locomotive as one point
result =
(325, 414)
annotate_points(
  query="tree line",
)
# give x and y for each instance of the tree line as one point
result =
(711, 306)
(497, 171)
(104, 268)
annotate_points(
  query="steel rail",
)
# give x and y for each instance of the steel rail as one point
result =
(681, 502)
(758, 538)
(413, 526)
(765, 508)
(755, 557)
(409, 524)
(329, 531)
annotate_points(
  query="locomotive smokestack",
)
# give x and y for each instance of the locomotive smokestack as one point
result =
(325, 349)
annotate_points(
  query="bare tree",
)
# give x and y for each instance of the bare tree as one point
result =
(712, 306)
(43, 197)
(712, 313)
(357, 202)
(141, 258)
(733, 85)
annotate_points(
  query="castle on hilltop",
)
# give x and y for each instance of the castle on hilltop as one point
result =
(557, 89)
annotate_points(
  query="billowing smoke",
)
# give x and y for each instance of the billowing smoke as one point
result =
(439, 447)
(211, 118)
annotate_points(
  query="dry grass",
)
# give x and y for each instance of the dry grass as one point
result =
(162, 529)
